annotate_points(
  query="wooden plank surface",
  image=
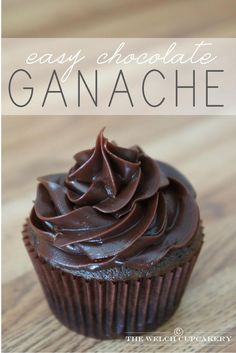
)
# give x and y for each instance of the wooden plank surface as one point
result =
(124, 18)
(203, 148)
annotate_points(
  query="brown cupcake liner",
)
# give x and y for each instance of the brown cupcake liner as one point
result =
(110, 309)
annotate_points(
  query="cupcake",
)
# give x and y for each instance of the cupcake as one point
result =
(114, 240)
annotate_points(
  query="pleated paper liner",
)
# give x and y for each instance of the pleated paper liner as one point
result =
(110, 309)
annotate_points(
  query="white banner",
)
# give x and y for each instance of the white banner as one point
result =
(115, 76)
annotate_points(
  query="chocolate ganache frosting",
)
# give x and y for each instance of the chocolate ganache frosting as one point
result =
(115, 206)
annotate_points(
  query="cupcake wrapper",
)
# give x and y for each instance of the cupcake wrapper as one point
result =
(110, 309)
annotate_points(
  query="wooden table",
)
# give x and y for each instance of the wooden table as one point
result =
(203, 148)
(123, 18)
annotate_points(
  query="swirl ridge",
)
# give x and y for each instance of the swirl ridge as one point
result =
(114, 206)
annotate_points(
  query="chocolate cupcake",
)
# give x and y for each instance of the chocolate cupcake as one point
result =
(114, 240)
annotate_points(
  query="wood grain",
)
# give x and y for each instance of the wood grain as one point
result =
(124, 18)
(203, 148)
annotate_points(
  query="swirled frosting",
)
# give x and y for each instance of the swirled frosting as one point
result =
(114, 206)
